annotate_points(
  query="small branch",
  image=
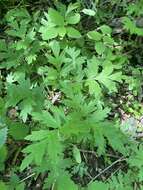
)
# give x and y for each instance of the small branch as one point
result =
(103, 171)
(94, 153)
(88, 151)
(31, 175)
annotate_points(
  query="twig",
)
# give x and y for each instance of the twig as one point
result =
(94, 153)
(31, 175)
(88, 151)
(103, 171)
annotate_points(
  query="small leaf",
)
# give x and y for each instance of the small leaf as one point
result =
(26, 162)
(94, 35)
(18, 130)
(48, 33)
(94, 88)
(99, 47)
(61, 31)
(105, 29)
(89, 12)
(56, 17)
(74, 19)
(76, 154)
(55, 46)
(73, 33)
(37, 135)
(72, 7)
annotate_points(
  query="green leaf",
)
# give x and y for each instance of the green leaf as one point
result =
(26, 162)
(89, 12)
(46, 118)
(73, 19)
(97, 185)
(101, 114)
(136, 159)
(18, 130)
(3, 136)
(73, 33)
(55, 46)
(100, 47)
(3, 157)
(26, 108)
(20, 186)
(109, 79)
(76, 154)
(105, 29)
(71, 7)
(61, 31)
(94, 35)
(38, 135)
(48, 33)
(56, 17)
(94, 88)
(3, 186)
(65, 181)
(131, 26)
(99, 140)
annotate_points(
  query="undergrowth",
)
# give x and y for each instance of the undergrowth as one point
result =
(71, 95)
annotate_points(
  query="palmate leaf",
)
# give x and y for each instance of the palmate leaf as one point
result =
(34, 153)
(28, 98)
(44, 143)
(47, 119)
(38, 135)
(56, 24)
(107, 130)
(136, 159)
(107, 77)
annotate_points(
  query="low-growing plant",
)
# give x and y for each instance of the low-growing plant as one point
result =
(57, 81)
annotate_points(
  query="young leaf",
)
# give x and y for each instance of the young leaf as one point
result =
(46, 118)
(48, 32)
(73, 33)
(76, 154)
(56, 17)
(94, 35)
(73, 19)
(89, 12)
(105, 29)
(18, 130)
(100, 47)
(65, 181)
